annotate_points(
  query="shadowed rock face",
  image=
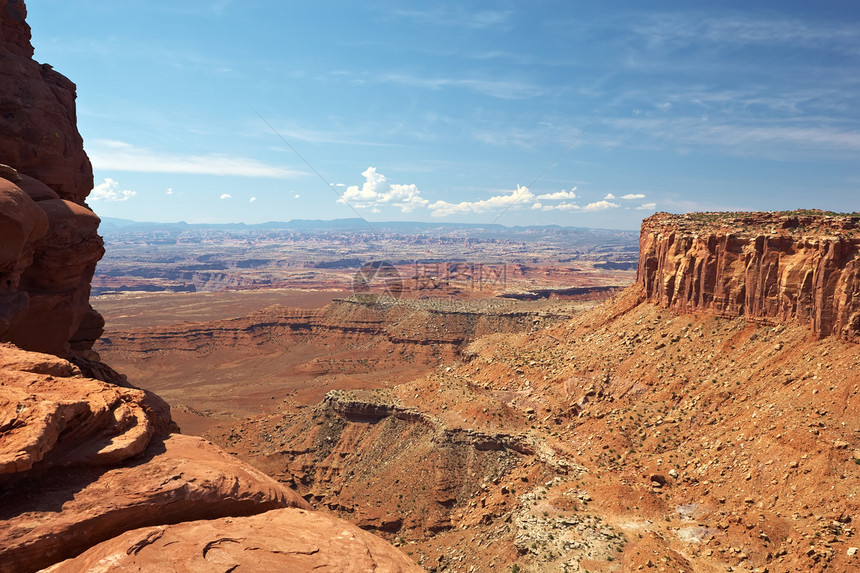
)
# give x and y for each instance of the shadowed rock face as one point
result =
(50, 244)
(770, 267)
(38, 123)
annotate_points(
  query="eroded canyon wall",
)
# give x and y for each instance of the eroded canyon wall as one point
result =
(799, 267)
(49, 244)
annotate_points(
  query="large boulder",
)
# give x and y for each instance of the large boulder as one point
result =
(280, 540)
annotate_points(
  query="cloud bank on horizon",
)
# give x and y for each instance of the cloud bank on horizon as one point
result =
(586, 115)
(377, 192)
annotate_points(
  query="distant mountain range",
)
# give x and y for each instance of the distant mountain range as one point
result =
(112, 225)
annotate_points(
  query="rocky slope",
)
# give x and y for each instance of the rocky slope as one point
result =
(777, 268)
(630, 436)
(282, 540)
(50, 243)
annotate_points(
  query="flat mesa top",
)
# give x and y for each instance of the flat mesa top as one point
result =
(802, 222)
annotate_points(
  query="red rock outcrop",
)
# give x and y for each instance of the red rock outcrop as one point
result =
(38, 122)
(50, 243)
(281, 540)
(799, 267)
(82, 460)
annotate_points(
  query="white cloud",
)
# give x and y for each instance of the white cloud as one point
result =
(109, 191)
(518, 198)
(609, 197)
(630, 196)
(169, 191)
(377, 191)
(562, 207)
(296, 196)
(647, 207)
(226, 196)
(559, 195)
(252, 199)
(600, 206)
(538, 206)
(114, 155)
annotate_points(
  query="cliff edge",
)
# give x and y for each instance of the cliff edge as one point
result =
(49, 244)
(780, 267)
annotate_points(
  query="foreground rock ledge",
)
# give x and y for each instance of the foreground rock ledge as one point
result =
(83, 461)
(279, 540)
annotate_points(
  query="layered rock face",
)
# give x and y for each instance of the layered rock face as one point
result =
(49, 243)
(799, 267)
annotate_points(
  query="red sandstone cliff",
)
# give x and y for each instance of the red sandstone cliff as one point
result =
(38, 123)
(770, 267)
(49, 243)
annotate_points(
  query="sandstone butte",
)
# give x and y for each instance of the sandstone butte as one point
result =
(91, 466)
(773, 267)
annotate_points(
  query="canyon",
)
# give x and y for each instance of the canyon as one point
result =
(604, 435)
(702, 418)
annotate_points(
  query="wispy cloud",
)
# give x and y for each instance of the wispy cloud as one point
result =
(458, 17)
(109, 190)
(502, 89)
(676, 30)
(772, 139)
(336, 136)
(120, 156)
(226, 196)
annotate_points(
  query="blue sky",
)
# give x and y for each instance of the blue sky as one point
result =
(542, 112)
